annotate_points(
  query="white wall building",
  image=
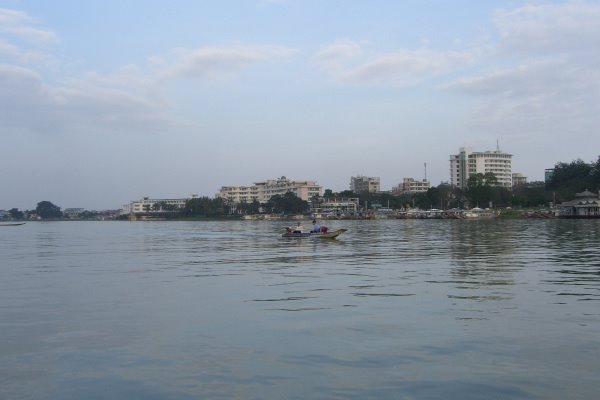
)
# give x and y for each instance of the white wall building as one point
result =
(365, 184)
(339, 206)
(264, 190)
(239, 194)
(149, 206)
(467, 162)
(409, 185)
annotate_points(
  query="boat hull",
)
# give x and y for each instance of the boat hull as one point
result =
(319, 235)
(479, 214)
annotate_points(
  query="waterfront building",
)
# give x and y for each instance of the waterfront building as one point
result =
(410, 185)
(585, 205)
(239, 194)
(72, 213)
(264, 190)
(467, 162)
(338, 206)
(365, 184)
(154, 206)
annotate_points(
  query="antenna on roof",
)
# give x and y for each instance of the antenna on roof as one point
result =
(497, 145)
(425, 171)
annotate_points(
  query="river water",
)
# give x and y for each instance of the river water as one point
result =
(394, 309)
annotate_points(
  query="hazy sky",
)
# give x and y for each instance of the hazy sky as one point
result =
(104, 102)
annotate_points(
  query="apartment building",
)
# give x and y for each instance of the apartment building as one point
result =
(264, 190)
(410, 185)
(365, 184)
(468, 162)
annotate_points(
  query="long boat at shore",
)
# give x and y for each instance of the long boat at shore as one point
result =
(479, 213)
(11, 223)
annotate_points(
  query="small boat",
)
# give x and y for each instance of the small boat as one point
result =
(11, 223)
(320, 235)
(479, 213)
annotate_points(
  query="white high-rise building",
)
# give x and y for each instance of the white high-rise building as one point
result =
(468, 162)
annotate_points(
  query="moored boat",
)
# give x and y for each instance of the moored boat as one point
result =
(11, 223)
(479, 213)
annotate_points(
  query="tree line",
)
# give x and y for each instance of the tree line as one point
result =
(44, 210)
(49, 211)
(287, 203)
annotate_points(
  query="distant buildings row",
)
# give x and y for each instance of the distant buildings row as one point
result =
(462, 165)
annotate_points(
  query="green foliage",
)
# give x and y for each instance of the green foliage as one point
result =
(289, 203)
(47, 210)
(480, 189)
(533, 194)
(574, 177)
(205, 207)
(16, 214)
(248, 208)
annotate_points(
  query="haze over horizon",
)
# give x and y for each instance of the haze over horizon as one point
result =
(105, 102)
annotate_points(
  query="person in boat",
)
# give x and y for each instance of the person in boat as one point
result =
(299, 228)
(316, 227)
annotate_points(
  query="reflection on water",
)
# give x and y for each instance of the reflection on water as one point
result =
(392, 309)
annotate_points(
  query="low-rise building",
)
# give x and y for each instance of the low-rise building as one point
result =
(338, 206)
(264, 190)
(72, 213)
(361, 183)
(585, 205)
(154, 206)
(410, 185)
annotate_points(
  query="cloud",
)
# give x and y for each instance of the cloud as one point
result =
(346, 61)
(405, 67)
(209, 62)
(78, 107)
(21, 26)
(131, 100)
(8, 49)
(549, 85)
(550, 28)
(336, 54)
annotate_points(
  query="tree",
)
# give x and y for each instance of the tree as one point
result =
(533, 194)
(574, 177)
(46, 210)
(244, 207)
(206, 207)
(480, 188)
(289, 203)
(16, 214)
